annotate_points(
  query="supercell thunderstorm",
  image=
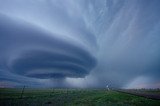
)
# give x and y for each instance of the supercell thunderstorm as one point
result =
(82, 43)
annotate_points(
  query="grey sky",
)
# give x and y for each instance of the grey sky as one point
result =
(80, 43)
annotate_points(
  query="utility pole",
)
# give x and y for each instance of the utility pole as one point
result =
(22, 92)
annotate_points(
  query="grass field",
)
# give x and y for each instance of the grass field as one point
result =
(71, 97)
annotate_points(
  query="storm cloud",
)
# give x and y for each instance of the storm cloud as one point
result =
(32, 52)
(82, 43)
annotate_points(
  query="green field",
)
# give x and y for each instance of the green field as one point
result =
(71, 97)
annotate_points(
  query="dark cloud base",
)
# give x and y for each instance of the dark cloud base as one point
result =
(67, 66)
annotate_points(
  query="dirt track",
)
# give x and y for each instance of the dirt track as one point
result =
(142, 94)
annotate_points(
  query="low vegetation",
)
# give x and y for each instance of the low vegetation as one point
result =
(71, 97)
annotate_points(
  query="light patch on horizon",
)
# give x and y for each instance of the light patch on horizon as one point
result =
(142, 82)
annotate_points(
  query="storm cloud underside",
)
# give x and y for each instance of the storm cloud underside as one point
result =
(82, 43)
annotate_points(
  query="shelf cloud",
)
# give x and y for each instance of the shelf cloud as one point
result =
(34, 53)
